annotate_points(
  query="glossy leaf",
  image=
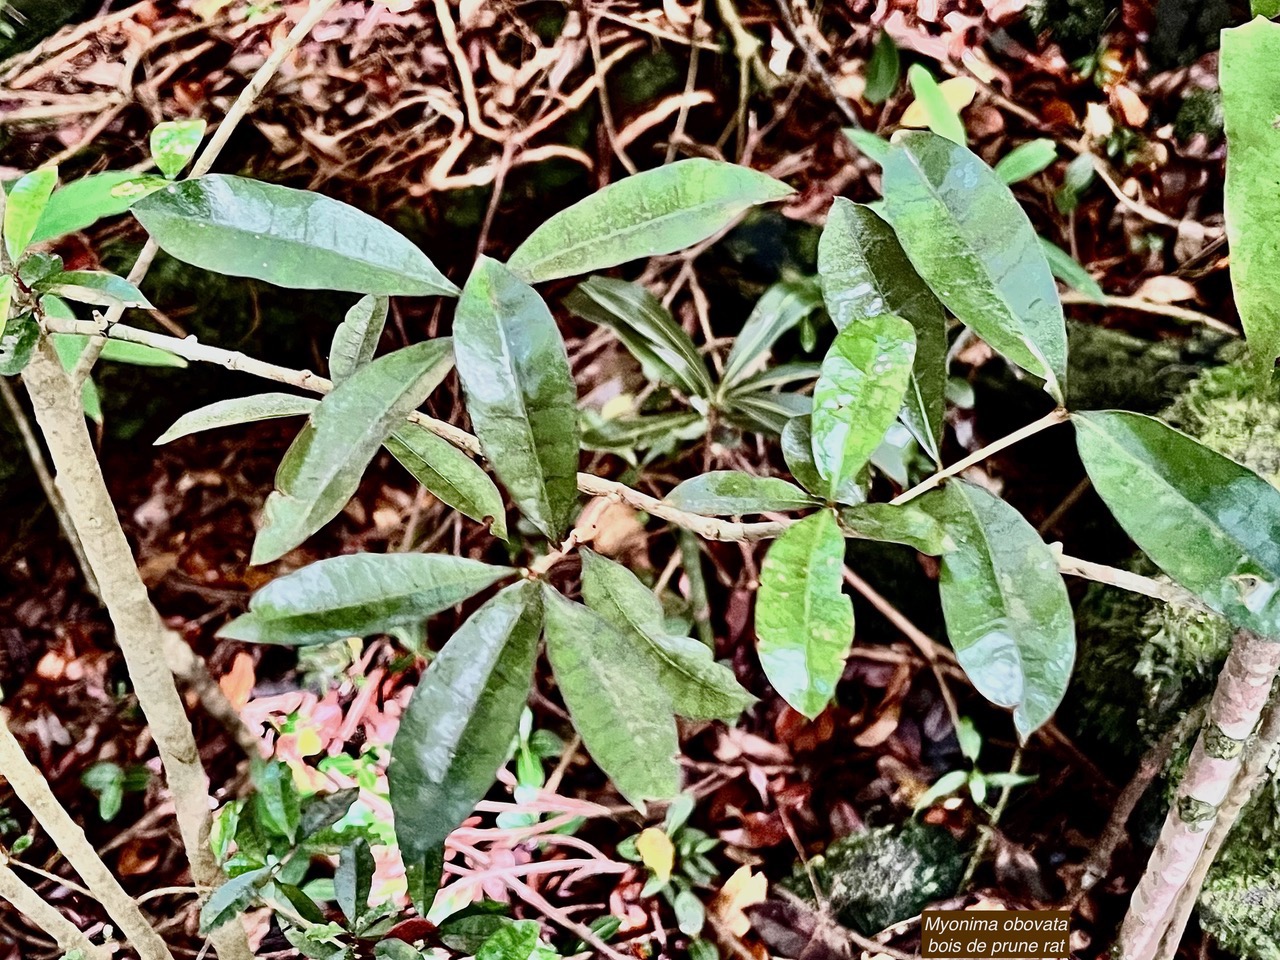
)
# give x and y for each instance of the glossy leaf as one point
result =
(449, 475)
(1006, 607)
(1206, 521)
(95, 287)
(873, 146)
(123, 351)
(624, 718)
(1250, 105)
(804, 621)
(322, 468)
(174, 143)
(784, 374)
(1026, 160)
(864, 378)
(353, 879)
(975, 247)
(732, 493)
(882, 70)
(68, 350)
(646, 328)
(904, 523)
(1065, 268)
(25, 202)
(6, 299)
(230, 900)
(938, 105)
(356, 339)
(323, 810)
(797, 451)
(627, 435)
(520, 393)
(651, 213)
(82, 203)
(779, 309)
(292, 238)
(766, 410)
(864, 272)
(458, 729)
(699, 687)
(238, 410)
(514, 940)
(357, 595)
(18, 339)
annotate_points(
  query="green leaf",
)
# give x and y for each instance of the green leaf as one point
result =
(18, 341)
(783, 374)
(797, 451)
(651, 213)
(238, 410)
(459, 726)
(975, 247)
(353, 880)
(646, 328)
(1065, 268)
(882, 70)
(511, 941)
(732, 493)
(804, 621)
(1250, 105)
(25, 203)
(6, 299)
(1005, 604)
(1206, 521)
(292, 238)
(699, 688)
(778, 310)
(1026, 160)
(766, 410)
(357, 595)
(174, 143)
(944, 786)
(82, 203)
(626, 435)
(864, 273)
(96, 287)
(873, 146)
(322, 468)
(68, 350)
(356, 339)
(449, 475)
(323, 810)
(940, 116)
(624, 717)
(904, 523)
(230, 899)
(864, 378)
(520, 393)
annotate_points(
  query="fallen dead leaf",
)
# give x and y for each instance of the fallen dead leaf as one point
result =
(742, 890)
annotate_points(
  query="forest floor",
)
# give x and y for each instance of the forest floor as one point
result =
(383, 108)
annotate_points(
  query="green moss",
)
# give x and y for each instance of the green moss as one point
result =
(874, 879)
(1076, 25)
(1200, 112)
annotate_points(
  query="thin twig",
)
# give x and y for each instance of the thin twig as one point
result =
(709, 528)
(65, 934)
(1149, 306)
(1050, 419)
(33, 790)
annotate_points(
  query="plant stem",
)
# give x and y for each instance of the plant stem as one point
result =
(1150, 306)
(709, 528)
(1216, 760)
(984, 837)
(203, 164)
(65, 934)
(33, 790)
(1257, 762)
(138, 627)
(1050, 419)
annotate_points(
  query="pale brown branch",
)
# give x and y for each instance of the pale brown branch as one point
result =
(30, 786)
